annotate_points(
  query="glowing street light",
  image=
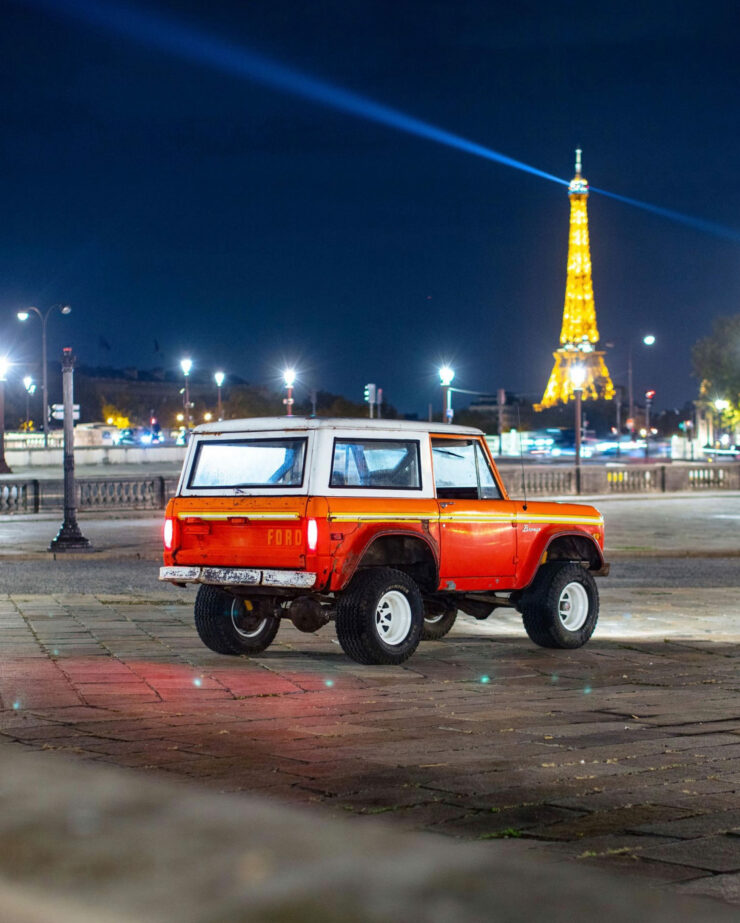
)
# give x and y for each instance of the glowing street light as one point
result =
(44, 317)
(446, 374)
(219, 378)
(647, 340)
(186, 365)
(4, 365)
(289, 379)
(30, 386)
(649, 395)
(720, 405)
(578, 377)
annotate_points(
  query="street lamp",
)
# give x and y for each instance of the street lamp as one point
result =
(186, 365)
(720, 406)
(30, 386)
(289, 379)
(446, 374)
(578, 377)
(649, 395)
(648, 340)
(4, 365)
(23, 316)
(219, 378)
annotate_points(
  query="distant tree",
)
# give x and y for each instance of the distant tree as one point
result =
(716, 362)
(251, 401)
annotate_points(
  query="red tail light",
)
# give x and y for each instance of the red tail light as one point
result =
(312, 534)
(169, 534)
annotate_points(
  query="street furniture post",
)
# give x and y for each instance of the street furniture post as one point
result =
(69, 537)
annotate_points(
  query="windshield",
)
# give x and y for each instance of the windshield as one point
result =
(248, 463)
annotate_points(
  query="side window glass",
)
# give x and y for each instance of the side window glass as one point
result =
(488, 487)
(376, 463)
(455, 475)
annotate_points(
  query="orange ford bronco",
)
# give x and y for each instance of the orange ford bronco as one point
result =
(387, 528)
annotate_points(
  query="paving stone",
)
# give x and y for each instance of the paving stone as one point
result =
(724, 887)
(713, 853)
(689, 828)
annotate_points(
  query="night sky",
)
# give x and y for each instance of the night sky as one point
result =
(185, 210)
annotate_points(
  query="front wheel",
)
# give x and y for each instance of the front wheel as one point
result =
(561, 606)
(228, 625)
(380, 616)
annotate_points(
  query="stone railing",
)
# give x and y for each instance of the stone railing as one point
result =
(152, 493)
(563, 480)
(93, 494)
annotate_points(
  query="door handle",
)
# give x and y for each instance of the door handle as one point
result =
(444, 505)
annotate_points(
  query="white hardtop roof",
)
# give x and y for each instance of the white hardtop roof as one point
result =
(260, 424)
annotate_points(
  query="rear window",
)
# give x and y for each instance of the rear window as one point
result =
(248, 463)
(390, 464)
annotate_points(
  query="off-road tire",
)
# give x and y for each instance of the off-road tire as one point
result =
(437, 625)
(560, 592)
(366, 611)
(226, 625)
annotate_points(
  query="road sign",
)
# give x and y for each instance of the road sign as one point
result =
(57, 412)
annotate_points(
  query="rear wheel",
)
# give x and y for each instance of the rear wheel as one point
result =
(561, 606)
(380, 616)
(228, 625)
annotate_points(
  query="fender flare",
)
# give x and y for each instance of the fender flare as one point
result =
(536, 559)
(352, 561)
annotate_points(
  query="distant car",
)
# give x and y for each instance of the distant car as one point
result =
(140, 437)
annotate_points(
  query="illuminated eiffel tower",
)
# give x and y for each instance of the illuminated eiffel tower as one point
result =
(579, 335)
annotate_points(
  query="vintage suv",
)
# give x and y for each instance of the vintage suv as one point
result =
(387, 528)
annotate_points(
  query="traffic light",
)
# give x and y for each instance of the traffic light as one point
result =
(370, 392)
(649, 395)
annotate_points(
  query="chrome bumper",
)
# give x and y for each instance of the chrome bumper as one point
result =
(238, 576)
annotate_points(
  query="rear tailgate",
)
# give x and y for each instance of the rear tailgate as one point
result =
(240, 531)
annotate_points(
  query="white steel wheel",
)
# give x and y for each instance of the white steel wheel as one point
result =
(560, 607)
(573, 606)
(380, 616)
(247, 623)
(233, 626)
(393, 617)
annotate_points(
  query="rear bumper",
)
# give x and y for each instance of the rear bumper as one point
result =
(238, 576)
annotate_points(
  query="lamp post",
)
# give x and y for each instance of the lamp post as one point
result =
(4, 364)
(648, 340)
(577, 377)
(446, 374)
(649, 395)
(30, 386)
(69, 537)
(23, 316)
(219, 379)
(289, 379)
(186, 365)
(720, 406)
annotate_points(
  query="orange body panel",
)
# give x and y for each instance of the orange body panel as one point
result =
(479, 545)
(239, 531)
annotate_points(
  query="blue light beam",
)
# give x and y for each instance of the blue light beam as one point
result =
(175, 38)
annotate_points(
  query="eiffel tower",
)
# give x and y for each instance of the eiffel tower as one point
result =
(579, 335)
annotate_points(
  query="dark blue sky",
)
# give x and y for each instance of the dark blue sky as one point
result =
(172, 202)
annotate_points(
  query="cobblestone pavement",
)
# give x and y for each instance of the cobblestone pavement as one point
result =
(624, 754)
